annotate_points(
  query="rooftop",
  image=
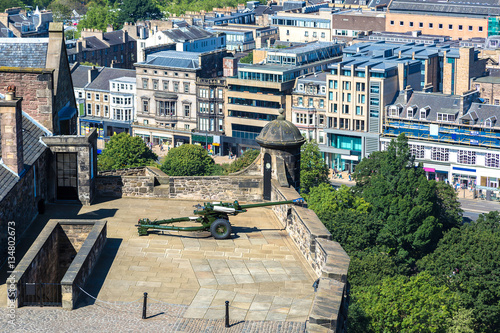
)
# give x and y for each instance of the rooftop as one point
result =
(187, 33)
(23, 52)
(452, 8)
(173, 59)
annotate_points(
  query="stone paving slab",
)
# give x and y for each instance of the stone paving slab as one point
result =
(260, 260)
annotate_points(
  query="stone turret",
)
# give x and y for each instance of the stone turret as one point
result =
(281, 141)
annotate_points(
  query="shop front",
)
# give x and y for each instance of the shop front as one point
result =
(464, 177)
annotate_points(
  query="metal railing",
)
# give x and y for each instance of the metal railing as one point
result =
(41, 294)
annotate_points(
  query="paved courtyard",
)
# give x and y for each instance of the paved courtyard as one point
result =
(188, 275)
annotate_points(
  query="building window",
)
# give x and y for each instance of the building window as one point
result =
(466, 157)
(310, 103)
(322, 35)
(359, 110)
(187, 109)
(97, 97)
(417, 151)
(176, 86)
(440, 154)
(345, 109)
(497, 102)
(421, 24)
(460, 27)
(450, 26)
(219, 93)
(410, 112)
(165, 108)
(480, 29)
(315, 34)
(401, 23)
(145, 106)
(105, 98)
(445, 117)
(486, 101)
(306, 33)
(220, 108)
(470, 28)
(97, 110)
(144, 83)
(299, 102)
(155, 84)
(186, 88)
(440, 26)
(106, 111)
(411, 24)
(321, 103)
(492, 160)
(288, 32)
(392, 22)
(80, 94)
(431, 25)
(165, 85)
(89, 96)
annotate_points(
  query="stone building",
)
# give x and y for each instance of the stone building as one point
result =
(488, 87)
(37, 167)
(308, 106)
(349, 23)
(18, 22)
(111, 48)
(167, 95)
(39, 68)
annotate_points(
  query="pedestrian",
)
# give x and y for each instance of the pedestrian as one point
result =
(349, 174)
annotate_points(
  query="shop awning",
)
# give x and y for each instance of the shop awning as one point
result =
(66, 113)
(350, 157)
(430, 169)
(202, 138)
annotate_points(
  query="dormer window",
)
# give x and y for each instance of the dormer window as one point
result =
(490, 121)
(424, 112)
(411, 111)
(394, 111)
(301, 87)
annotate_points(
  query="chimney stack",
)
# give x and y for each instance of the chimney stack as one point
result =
(93, 73)
(12, 131)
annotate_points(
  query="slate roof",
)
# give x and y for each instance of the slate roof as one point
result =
(4, 32)
(378, 3)
(188, 33)
(174, 59)
(293, 5)
(451, 8)
(23, 52)
(80, 75)
(115, 37)
(32, 149)
(101, 82)
(480, 112)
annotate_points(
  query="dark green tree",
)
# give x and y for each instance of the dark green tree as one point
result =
(6, 4)
(188, 160)
(412, 212)
(135, 10)
(467, 261)
(313, 169)
(124, 151)
(401, 304)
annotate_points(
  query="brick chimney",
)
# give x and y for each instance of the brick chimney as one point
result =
(12, 131)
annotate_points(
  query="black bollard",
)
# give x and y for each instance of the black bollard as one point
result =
(227, 314)
(144, 306)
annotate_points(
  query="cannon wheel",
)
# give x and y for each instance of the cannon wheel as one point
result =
(220, 229)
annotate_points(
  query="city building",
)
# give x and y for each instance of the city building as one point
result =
(242, 38)
(358, 89)
(303, 28)
(189, 38)
(347, 24)
(39, 68)
(167, 93)
(233, 17)
(309, 106)
(111, 48)
(488, 87)
(456, 138)
(458, 19)
(259, 90)
(415, 37)
(447, 68)
(210, 113)
(106, 99)
(17, 22)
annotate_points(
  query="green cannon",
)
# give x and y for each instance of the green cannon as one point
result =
(213, 216)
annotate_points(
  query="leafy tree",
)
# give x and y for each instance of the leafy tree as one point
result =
(248, 59)
(188, 160)
(243, 161)
(125, 151)
(72, 34)
(369, 269)
(5, 4)
(313, 169)
(466, 260)
(402, 304)
(63, 9)
(99, 15)
(135, 10)
(411, 210)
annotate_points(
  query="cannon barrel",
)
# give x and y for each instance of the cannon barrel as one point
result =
(298, 201)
